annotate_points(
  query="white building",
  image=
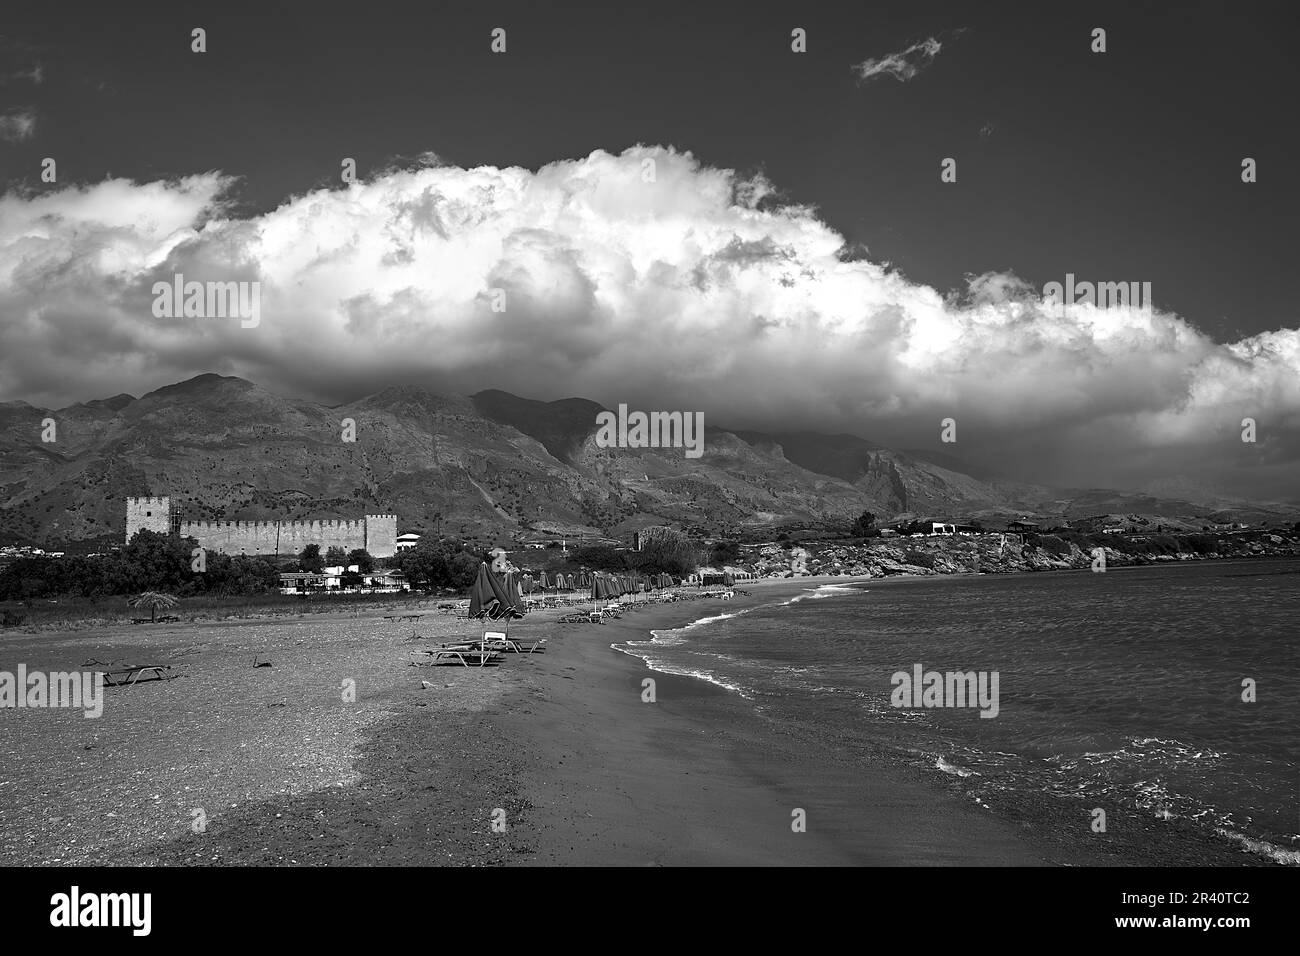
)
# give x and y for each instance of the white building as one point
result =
(406, 542)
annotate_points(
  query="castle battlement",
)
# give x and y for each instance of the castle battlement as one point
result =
(375, 533)
(147, 502)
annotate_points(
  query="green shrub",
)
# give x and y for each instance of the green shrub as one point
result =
(1053, 545)
(922, 559)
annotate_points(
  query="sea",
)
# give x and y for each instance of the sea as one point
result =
(1170, 690)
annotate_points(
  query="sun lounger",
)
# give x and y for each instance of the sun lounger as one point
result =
(467, 655)
(137, 673)
(495, 640)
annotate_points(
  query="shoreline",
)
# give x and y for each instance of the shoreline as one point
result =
(695, 778)
(412, 773)
(700, 778)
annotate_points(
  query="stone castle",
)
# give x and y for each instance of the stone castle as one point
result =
(376, 533)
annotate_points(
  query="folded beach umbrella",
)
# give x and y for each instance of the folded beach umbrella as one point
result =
(542, 581)
(514, 600)
(482, 595)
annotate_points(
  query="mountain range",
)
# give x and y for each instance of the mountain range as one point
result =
(492, 465)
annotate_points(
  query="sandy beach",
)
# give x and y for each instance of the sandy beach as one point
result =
(282, 770)
(694, 778)
(561, 746)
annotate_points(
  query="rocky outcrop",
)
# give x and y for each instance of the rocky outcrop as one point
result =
(991, 554)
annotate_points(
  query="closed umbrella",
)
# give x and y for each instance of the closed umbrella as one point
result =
(487, 592)
(514, 600)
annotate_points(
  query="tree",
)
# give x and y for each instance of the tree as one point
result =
(600, 557)
(153, 600)
(310, 560)
(425, 565)
(350, 579)
(864, 525)
(336, 557)
(462, 569)
(362, 559)
(725, 552)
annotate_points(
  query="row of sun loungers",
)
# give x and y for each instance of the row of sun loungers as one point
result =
(490, 649)
(494, 645)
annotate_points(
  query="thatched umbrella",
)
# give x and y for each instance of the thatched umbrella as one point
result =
(154, 600)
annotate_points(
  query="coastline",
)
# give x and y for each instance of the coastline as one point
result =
(695, 779)
(699, 778)
(412, 773)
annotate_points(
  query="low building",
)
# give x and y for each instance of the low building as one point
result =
(405, 542)
(331, 579)
(1023, 527)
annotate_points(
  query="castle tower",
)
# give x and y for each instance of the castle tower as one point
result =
(381, 535)
(148, 514)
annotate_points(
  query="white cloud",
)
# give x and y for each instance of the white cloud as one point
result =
(685, 293)
(903, 65)
(18, 124)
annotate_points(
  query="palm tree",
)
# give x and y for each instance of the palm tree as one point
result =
(154, 600)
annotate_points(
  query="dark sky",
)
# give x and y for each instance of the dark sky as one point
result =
(1123, 165)
(1116, 166)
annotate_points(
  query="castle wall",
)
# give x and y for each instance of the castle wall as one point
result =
(375, 533)
(271, 537)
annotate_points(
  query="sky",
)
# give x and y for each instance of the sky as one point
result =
(795, 260)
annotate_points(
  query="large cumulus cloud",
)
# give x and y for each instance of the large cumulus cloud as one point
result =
(645, 277)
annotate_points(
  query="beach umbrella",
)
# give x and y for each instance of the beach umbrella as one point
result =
(728, 579)
(543, 582)
(514, 600)
(487, 590)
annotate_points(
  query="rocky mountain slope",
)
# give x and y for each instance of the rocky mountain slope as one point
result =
(490, 466)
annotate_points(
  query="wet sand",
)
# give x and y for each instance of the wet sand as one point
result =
(696, 778)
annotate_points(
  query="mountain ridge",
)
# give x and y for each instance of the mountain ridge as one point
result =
(488, 465)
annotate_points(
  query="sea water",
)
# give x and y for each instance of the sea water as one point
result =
(1128, 689)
